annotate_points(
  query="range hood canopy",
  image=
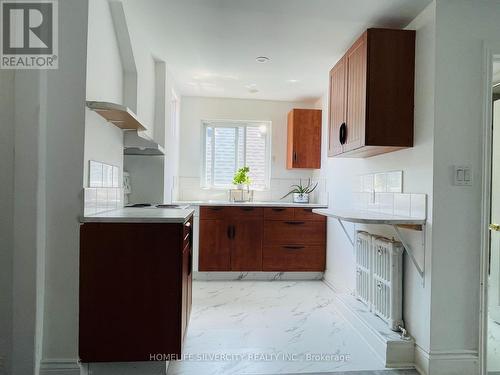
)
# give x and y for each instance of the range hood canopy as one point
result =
(138, 143)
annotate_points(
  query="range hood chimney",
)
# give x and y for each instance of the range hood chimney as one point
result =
(138, 143)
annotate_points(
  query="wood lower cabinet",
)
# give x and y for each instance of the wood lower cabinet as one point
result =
(372, 95)
(135, 290)
(214, 244)
(261, 239)
(246, 244)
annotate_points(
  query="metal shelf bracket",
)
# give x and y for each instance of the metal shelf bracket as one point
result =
(409, 251)
(351, 240)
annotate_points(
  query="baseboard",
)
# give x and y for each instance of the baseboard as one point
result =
(393, 351)
(258, 276)
(441, 362)
(60, 367)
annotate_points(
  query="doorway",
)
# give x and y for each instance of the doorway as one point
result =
(490, 273)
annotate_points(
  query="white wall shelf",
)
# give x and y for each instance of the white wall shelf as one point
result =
(370, 217)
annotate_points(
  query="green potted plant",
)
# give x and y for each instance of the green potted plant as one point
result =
(241, 178)
(301, 192)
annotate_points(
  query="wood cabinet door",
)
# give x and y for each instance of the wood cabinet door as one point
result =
(246, 244)
(356, 94)
(304, 139)
(337, 115)
(214, 246)
(307, 138)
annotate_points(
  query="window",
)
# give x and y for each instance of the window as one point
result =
(230, 145)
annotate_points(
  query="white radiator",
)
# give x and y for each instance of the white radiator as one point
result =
(363, 267)
(382, 261)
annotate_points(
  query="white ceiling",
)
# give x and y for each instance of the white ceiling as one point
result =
(210, 45)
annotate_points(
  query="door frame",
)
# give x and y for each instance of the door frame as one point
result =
(490, 49)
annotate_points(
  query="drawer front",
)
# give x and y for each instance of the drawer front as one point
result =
(294, 232)
(281, 258)
(213, 212)
(304, 213)
(246, 211)
(278, 213)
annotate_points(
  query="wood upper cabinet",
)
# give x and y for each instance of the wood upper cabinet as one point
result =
(304, 139)
(371, 95)
(338, 100)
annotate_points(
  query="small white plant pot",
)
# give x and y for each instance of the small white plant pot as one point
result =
(300, 198)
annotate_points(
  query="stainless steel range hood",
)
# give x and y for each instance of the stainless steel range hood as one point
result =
(138, 143)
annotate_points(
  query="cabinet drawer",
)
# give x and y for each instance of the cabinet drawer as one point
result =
(278, 213)
(246, 211)
(304, 213)
(213, 212)
(281, 258)
(294, 232)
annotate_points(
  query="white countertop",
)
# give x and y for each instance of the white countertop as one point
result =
(368, 217)
(253, 204)
(141, 215)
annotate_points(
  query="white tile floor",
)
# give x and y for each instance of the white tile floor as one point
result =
(264, 327)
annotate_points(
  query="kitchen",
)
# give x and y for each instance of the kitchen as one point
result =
(179, 69)
(227, 191)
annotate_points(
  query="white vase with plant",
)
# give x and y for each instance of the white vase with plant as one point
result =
(301, 192)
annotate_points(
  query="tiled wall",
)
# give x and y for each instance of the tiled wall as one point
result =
(383, 192)
(189, 189)
(105, 191)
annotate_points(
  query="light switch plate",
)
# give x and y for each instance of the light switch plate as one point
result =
(462, 175)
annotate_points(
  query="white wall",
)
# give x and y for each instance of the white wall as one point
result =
(417, 164)
(461, 28)
(103, 141)
(172, 138)
(145, 63)
(6, 219)
(64, 147)
(146, 178)
(196, 109)
(48, 153)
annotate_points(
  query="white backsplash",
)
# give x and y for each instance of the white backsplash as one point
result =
(383, 192)
(189, 189)
(104, 192)
(98, 200)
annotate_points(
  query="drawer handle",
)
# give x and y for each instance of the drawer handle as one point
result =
(295, 222)
(247, 208)
(216, 208)
(278, 209)
(307, 209)
(293, 247)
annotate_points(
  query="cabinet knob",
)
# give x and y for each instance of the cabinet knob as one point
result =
(343, 133)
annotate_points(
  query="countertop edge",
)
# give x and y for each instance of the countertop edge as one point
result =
(253, 204)
(381, 220)
(106, 217)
